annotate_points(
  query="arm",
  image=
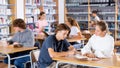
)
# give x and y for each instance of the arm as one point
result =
(87, 48)
(13, 39)
(52, 53)
(108, 51)
(29, 40)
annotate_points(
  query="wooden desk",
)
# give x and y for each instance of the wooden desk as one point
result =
(10, 50)
(113, 62)
(117, 43)
(74, 39)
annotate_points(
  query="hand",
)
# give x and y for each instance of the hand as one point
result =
(15, 43)
(71, 52)
(90, 55)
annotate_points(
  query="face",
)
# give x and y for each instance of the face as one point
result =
(43, 16)
(62, 34)
(93, 14)
(16, 29)
(98, 31)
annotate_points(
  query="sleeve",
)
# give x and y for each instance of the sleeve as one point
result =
(87, 48)
(108, 51)
(77, 30)
(29, 40)
(14, 38)
(37, 24)
(49, 42)
(46, 23)
(66, 43)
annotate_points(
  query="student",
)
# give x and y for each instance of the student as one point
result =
(75, 32)
(41, 23)
(75, 29)
(101, 44)
(23, 37)
(94, 14)
(55, 46)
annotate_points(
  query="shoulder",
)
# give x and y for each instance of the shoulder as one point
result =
(109, 37)
(50, 38)
(93, 36)
(74, 27)
(28, 30)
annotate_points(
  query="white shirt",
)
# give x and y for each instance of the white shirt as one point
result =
(97, 18)
(102, 47)
(74, 30)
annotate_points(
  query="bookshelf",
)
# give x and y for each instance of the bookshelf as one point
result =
(108, 11)
(51, 10)
(106, 15)
(117, 19)
(33, 8)
(31, 12)
(7, 15)
(79, 11)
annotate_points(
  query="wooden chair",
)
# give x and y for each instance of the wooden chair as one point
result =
(3, 65)
(34, 58)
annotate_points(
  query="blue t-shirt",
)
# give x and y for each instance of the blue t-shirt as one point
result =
(51, 42)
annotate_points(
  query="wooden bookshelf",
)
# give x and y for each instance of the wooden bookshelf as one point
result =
(13, 10)
(50, 7)
(7, 15)
(83, 15)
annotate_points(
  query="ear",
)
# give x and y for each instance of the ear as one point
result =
(105, 31)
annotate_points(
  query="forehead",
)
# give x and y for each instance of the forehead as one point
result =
(64, 31)
(97, 27)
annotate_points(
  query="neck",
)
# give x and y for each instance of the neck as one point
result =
(41, 19)
(103, 35)
(57, 37)
(21, 30)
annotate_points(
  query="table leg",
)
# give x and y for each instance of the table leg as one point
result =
(57, 64)
(8, 60)
(31, 59)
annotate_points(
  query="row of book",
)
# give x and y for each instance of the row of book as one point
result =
(33, 2)
(83, 1)
(5, 11)
(3, 2)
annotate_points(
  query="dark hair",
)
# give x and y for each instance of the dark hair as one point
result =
(62, 27)
(41, 13)
(19, 23)
(95, 11)
(103, 26)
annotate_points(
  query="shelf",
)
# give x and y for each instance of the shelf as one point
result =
(30, 23)
(76, 5)
(118, 20)
(82, 20)
(45, 5)
(6, 15)
(109, 20)
(51, 21)
(77, 13)
(99, 3)
(107, 13)
(4, 25)
(7, 4)
(51, 14)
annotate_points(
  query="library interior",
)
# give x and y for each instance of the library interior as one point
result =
(59, 34)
